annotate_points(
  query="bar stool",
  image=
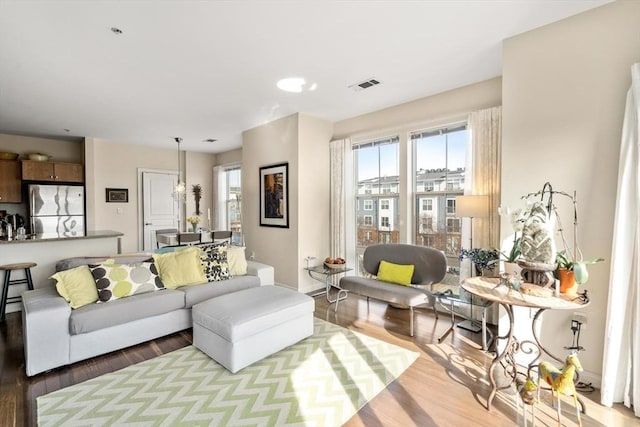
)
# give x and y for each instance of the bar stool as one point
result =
(8, 268)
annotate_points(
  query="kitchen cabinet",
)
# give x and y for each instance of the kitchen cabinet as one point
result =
(10, 189)
(51, 171)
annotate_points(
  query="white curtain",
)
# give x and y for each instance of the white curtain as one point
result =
(219, 203)
(337, 218)
(621, 359)
(486, 143)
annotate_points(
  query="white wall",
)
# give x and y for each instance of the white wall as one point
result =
(313, 195)
(199, 168)
(429, 111)
(61, 151)
(114, 164)
(564, 88)
(272, 143)
(303, 142)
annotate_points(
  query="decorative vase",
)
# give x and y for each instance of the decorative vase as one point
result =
(568, 283)
(512, 269)
(194, 227)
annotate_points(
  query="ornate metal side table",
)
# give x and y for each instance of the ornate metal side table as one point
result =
(491, 289)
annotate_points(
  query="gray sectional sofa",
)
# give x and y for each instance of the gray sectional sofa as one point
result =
(55, 335)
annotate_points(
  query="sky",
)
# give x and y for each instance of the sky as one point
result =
(430, 154)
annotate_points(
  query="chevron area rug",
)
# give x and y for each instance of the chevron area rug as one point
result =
(321, 381)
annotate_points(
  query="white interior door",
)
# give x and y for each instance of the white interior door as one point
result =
(160, 209)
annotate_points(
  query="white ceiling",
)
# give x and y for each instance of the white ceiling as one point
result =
(208, 69)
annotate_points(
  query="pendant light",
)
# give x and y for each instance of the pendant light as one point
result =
(179, 189)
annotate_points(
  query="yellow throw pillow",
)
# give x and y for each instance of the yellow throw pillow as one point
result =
(395, 273)
(236, 260)
(180, 268)
(77, 286)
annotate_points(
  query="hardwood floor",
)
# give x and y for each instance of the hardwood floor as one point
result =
(446, 386)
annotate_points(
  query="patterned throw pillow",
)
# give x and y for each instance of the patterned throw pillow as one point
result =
(122, 280)
(214, 261)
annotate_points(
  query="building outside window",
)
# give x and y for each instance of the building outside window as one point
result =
(376, 172)
(439, 159)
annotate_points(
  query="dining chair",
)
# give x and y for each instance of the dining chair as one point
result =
(189, 238)
(164, 231)
(221, 235)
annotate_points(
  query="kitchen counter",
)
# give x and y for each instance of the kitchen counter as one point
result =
(35, 238)
(47, 250)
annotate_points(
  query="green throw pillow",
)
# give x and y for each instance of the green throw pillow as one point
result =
(77, 286)
(395, 273)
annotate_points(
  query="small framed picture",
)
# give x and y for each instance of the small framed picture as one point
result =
(118, 195)
(274, 196)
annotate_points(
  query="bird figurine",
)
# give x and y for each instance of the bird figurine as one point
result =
(561, 381)
(528, 391)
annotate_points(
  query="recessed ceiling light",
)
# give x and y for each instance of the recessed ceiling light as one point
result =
(116, 30)
(295, 85)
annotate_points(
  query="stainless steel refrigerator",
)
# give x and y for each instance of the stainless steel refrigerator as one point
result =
(56, 210)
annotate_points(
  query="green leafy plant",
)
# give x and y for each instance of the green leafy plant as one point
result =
(579, 268)
(514, 253)
(484, 259)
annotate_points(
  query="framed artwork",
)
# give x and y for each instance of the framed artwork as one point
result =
(274, 195)
(118, 195)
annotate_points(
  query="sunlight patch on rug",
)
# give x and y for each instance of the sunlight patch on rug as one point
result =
(321, 381)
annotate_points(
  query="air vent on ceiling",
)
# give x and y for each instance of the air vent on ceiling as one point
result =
(364, 84)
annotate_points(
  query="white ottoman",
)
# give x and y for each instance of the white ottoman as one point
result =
(240, 328)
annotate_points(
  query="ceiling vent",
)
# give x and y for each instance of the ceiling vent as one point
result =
(364, 84)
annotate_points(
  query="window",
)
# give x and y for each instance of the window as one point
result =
(376, 172)
(453, 225)
(230, 200)
(451, 206)
(427, 224)
(439, 159)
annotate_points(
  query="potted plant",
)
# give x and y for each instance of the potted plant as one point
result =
(194, 221)
(571, 267)
(572, 273)
(510, 259)
(483, 259)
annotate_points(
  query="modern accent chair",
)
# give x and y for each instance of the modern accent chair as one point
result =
(430, 268)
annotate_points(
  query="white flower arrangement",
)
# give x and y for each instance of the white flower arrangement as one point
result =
(193, 220)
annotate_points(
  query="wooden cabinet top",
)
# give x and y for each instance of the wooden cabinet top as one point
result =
(52, 171)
